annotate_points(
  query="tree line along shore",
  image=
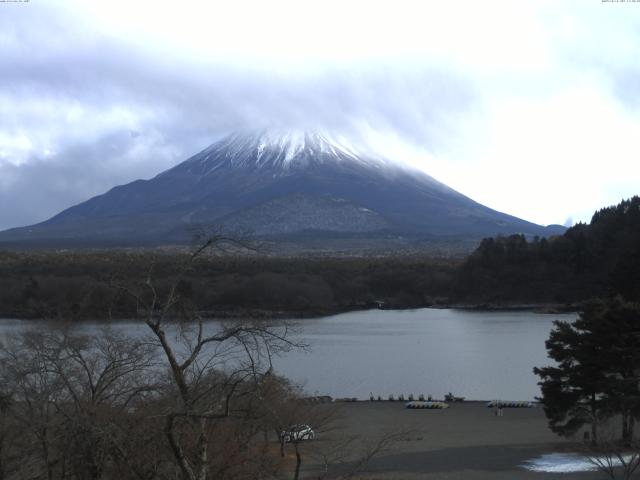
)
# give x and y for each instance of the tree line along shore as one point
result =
(599, 259)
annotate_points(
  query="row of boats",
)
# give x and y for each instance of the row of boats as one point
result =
(492, 404)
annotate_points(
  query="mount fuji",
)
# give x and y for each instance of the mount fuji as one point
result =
(289, 185)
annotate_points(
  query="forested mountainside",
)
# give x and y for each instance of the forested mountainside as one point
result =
(599, 259)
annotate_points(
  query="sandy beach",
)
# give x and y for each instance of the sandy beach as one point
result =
(465, 441)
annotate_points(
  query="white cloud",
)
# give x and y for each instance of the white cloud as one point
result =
(543, 159)
(529, 107)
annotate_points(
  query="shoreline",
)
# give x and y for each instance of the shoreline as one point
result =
(341, 400)
(259, 314)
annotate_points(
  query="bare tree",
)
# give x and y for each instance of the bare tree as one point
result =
(35, 390)
(211, 365)
(7, 435)
(71, 393)
(103, 377)
(193, 399)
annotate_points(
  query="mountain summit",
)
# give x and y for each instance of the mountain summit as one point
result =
(277, 185)
(285, 150)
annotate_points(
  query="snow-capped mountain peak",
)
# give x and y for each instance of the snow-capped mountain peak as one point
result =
(281, 150)
(277, 184)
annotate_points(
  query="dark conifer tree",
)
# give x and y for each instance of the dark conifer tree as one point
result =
(598, 369)
(572, 391)
(617, 326)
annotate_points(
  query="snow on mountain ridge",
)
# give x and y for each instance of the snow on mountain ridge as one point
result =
(282, 150)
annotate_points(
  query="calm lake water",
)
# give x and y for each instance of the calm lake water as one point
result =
(479, 355)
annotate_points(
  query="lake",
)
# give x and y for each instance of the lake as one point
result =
(479, 355)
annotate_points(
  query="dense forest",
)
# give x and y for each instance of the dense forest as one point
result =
(589, 260)
(76, 285)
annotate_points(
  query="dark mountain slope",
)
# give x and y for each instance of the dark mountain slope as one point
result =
(274, 185)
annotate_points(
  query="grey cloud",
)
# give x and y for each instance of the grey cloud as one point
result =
(176, 108)
(41, 187)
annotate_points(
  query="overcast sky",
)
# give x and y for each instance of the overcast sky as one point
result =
(531, 108)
